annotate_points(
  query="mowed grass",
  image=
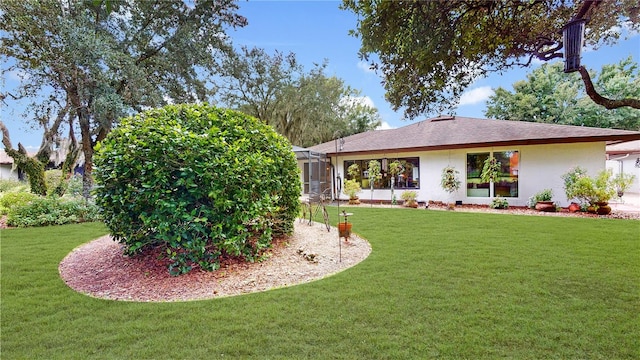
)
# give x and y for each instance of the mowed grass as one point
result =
(437, 285)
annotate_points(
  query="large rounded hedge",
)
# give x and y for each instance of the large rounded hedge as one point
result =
(199, 181)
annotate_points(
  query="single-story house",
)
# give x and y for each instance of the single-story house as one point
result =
(533, 157)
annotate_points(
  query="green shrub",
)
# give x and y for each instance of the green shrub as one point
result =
(52, 210)
(499, 203)
(198, 181)
(352, 189)
(13, 199)
(52, 179)
(589, 190)
(10, 185)
(74, 186)
(409, 197)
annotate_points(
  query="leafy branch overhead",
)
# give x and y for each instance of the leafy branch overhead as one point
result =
(549, 95)
(429, 52)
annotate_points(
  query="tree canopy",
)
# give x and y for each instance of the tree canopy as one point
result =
(307, 107)
(429, 52)
(551, 96)
(99, 63)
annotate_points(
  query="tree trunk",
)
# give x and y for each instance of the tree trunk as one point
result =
(85, 132)
(87, 149)
(69, 162)
(48, 138)
(33, 167)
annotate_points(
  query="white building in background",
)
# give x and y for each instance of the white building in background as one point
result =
(625, 158)
(7, 172)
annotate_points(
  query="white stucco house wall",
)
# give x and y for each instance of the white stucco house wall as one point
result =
(533, 157)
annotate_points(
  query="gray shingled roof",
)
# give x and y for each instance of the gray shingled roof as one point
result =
(454, 132)
(631, 147)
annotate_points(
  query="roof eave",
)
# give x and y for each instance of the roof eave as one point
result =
(518, 142)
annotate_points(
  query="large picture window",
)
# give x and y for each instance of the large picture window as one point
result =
(506, 184)
(407, 178)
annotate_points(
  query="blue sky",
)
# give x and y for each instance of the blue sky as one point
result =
(318, 30)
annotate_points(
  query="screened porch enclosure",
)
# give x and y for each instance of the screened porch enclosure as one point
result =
(316, 173)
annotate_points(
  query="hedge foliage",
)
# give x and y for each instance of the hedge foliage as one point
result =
(199, 181)
(10, 200)
(24, 209)
(51, 210)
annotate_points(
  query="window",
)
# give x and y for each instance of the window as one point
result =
(507, 182)
(475, 186)
(407, 178)
(506, 185)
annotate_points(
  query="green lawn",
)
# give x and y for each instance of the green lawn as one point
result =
(437, 285)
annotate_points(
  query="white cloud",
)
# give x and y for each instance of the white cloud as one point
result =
(364, 66)
(365, 100)
(627, 29)
(384, 126)
(631, 29)
(358, 100)
(476, 95)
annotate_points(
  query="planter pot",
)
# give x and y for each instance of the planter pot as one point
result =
(603, 208)
(574, 207)
(600, 208)
(355, 201)
(344, 229)
(546, 206)
(412, 204)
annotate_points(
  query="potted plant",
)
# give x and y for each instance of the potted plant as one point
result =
(622, 182)
(499, 203)
(352, 186)
(352, 189)
(541, 201)
(409, 198)
(596, 192)
(375, 173)
(604, 190)
(450, 182)
(570, 179)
